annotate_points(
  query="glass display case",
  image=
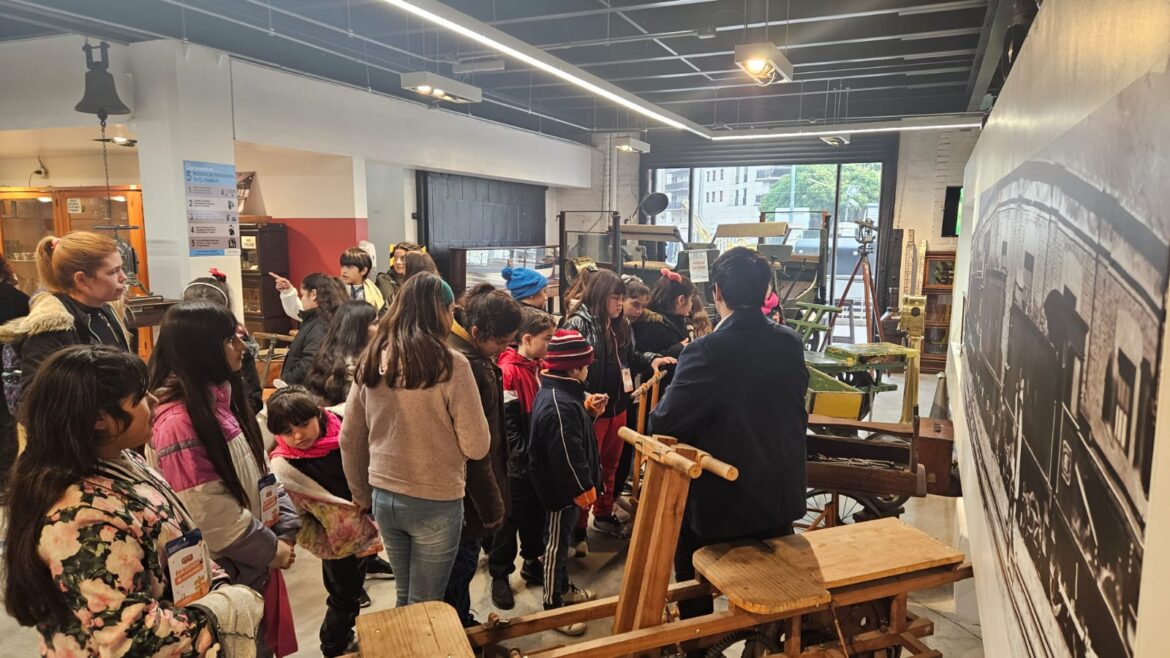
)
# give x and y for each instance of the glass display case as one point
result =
(471, 267)
(937, 286)
(263, 250)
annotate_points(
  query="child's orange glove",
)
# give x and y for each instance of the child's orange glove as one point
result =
(586, 498)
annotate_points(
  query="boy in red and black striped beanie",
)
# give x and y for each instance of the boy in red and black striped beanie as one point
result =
(563, 460)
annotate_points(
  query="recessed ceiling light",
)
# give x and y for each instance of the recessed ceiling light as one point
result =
(120, 140)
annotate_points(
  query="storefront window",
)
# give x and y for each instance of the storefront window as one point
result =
(676, 185)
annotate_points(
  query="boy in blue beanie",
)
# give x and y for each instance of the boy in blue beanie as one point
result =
(526, 286)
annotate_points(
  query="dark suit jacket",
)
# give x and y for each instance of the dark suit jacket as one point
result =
(738, 393)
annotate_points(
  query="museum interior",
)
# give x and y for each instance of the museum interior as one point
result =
(568, 328)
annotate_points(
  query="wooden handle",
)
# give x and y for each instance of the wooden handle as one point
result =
(660, 452)
(718, 467)
(645, 387)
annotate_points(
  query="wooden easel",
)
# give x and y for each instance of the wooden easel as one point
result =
(646, 578)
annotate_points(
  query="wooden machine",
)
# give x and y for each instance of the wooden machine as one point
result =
(837, 592)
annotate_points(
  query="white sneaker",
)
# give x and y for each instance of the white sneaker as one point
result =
(572, 630)
(580, 549)
(577, 595)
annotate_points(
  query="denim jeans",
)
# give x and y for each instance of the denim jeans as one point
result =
(421, 538)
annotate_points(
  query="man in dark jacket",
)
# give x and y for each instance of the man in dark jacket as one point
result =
(563, 460)
(738, 393)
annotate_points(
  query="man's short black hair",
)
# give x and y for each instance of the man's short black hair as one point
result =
(357, 257)
(743, 276)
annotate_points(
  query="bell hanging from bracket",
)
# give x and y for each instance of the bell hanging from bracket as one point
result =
(101, 96)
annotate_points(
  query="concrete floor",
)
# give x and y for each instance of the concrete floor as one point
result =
(601, 571)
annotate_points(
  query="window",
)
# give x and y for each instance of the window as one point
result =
(676, 185)
(721, 174)
(720, 196)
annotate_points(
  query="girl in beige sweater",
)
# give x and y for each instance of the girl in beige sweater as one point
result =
(412, 420)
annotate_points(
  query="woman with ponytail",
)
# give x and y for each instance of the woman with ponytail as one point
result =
(80, 276)
(207, 444)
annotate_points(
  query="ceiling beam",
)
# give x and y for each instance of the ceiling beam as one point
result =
(665, 47)
(661, 4)
(990, 51)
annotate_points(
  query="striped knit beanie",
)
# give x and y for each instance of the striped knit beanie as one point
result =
(568, 350)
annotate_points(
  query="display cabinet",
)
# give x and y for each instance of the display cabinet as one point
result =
(938, 288)
(28, 214)
(471, 267)
(263, 250)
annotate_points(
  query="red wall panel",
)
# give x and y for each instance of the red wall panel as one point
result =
(314, 245)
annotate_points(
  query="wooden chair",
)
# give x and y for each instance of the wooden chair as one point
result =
(646, 397)
(268, 348)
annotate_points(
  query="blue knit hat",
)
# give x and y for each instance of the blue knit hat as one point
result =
(523, 282)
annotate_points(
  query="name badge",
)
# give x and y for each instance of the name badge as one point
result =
(190, 568)
(269, 504)
(627, 380)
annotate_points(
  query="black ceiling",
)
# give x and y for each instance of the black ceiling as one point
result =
(853, 58)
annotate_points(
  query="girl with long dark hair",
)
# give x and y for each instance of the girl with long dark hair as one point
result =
(320, 297)
(214, 288)
(412, 420)
(208, 446)
(486, 321)
(331, 373)
(598, 317)
(85, 553)
(662, 327)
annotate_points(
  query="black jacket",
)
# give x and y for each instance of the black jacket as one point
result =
(56, 321)
(13, 303)
(487, 496)
(661, 333)
(516, 425)
(306, 343)
(738, 393)
(605, 375)
(562, 457)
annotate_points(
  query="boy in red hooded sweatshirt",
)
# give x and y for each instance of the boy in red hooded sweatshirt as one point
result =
(520, 365)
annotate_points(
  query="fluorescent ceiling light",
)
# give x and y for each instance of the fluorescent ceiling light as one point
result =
(763, 62)
(415, 7)
(631, 145)
(440, 88)
(831, 131)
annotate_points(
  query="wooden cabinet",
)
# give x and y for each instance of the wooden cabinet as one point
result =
(938, 288)
(263, 249)
(28, 214)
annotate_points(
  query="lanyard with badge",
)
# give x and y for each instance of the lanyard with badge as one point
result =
(188, 560)
(627, 376)
(269, 500)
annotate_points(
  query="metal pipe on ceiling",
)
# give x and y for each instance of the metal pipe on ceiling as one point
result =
(661, 4)
(636, 26)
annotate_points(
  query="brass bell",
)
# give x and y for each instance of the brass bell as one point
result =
(101, 96)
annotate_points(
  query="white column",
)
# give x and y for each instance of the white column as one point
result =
(182, 111)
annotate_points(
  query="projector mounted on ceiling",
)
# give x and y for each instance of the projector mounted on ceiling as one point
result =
(763, 62)
(441, 88)
(631, 145)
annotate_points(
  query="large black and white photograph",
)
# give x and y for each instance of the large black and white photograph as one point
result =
(1063, 335)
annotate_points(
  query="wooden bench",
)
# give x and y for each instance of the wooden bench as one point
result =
(423, 629)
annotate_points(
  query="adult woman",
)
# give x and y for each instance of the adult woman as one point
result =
(88, 522)
(412, 420)
(598, 317)
(214, 288)
(82, 275)
(208, 446)
(663, 325)
(331, 373)
(320, 296)
(390, 281)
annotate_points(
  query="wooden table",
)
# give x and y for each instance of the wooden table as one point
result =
(423, 629)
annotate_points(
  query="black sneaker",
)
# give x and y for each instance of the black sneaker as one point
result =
(532, 572)
(502, 594)
(376, 567)
(364, 600)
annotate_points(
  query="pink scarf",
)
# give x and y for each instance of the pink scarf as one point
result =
(324, 444)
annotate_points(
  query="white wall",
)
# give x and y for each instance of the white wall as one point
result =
(79, 170)
(928, 163)
(42, 79)
(390, 202)
(1078, 56)
(298, 184)
(281, 109)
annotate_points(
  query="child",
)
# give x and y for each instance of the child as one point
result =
(331, 372)
(307, 460)
(520, 366)
(207, 445)
(485, 322)
(214, 288)
(355, 270)
(526, 286)
(663, 326)
(313, 308)
(390, 281)
(563, 460)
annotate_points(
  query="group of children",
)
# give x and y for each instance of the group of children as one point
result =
(468, 426)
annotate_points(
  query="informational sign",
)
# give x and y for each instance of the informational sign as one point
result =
(73, 205)
(698, 264)
(213, 216)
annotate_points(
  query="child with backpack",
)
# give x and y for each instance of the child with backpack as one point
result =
(520, 366)
(563, 460)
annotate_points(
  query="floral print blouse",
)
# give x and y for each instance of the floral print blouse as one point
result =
(104, 544)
